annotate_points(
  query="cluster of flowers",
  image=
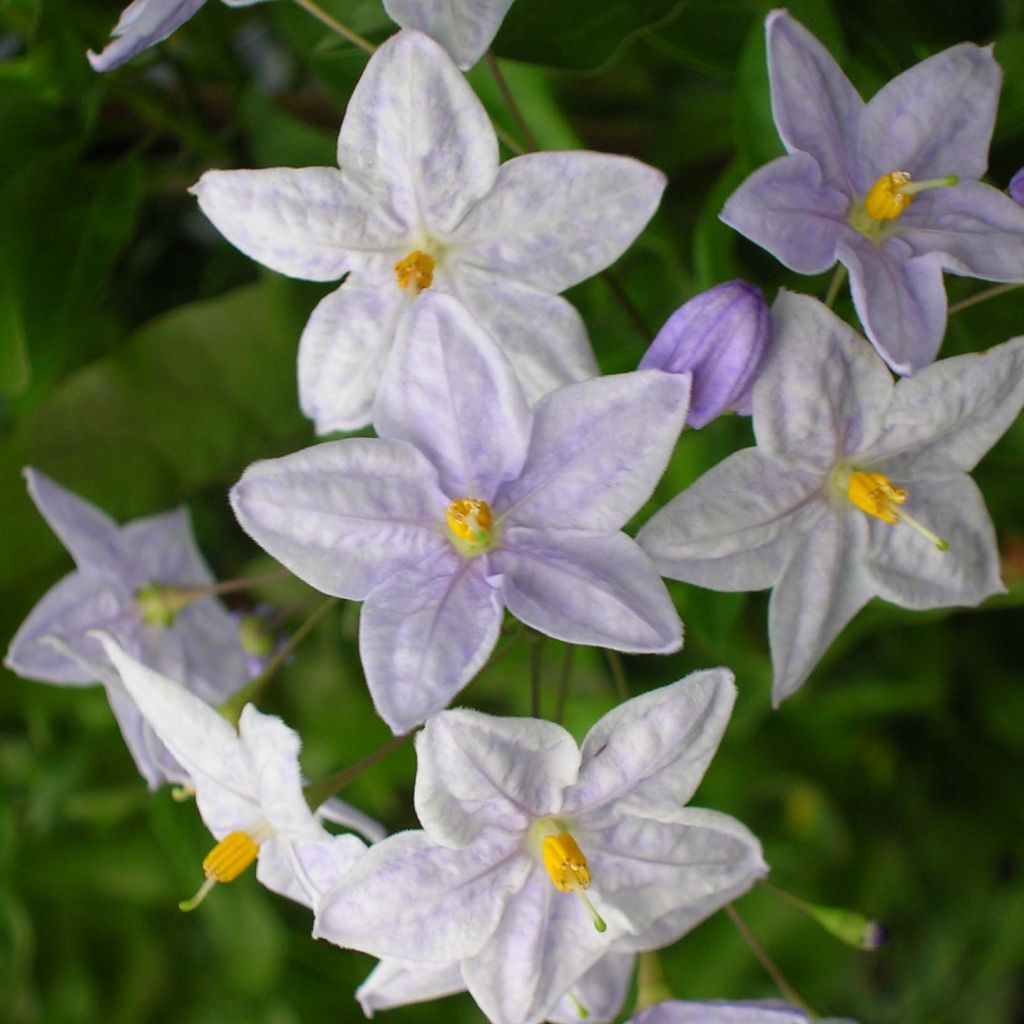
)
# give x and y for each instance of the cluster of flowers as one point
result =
(502, 474)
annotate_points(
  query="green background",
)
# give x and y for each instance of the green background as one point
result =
(144, 363)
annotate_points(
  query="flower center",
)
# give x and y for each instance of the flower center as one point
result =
(878, 496)
(415, 269)
(470, 522)
(227, 860)
(890, 195)
(159, 603)
(567, 868)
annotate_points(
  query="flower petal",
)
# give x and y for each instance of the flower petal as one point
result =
(934, 119)
(343, 351)
(313, 223)
(910, 571)
(412, 899)
(320, 865)
(416, 137)
(601, 991)
(89, 534)
(652, 751)
(344, 515)
(945, 418)
(163, 548)
(477, 770)
(340, 813)
(142, 24)
(395, 982)
(786, 208)
(825, 584)
(976, 230)
(598, 449)
(900, 299)
(542, 335)
(823, 392)
(675, 1012)
(587, 588)
(816, 109)
(734, 528)
(555, 219)
(464, 29)
(424, 633)
(450, 393)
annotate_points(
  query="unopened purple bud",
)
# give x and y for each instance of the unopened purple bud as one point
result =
(1016, 188)
(722, 337)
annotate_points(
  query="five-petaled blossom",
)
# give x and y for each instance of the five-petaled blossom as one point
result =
(856, 488)
(470, 502)
(248, 788)
(537, 858)
(674, 1011)
(890, 188)
(421, 205)
(143, 583)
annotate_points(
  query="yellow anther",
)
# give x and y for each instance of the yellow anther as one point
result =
(415, 269)
(565, 863)
(877, 495)
(470, 520)
(893, 193)
(230, 857)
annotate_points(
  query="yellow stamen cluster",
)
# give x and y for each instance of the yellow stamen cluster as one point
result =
(880, 497)
(894, 192)
(230, 857)
(565, 863)
(470, 520)
(415, 269)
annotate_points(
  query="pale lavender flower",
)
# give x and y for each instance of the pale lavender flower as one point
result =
(470, 502)
(117, 570)
(721, 336)
(845, 464)
(1016, 187)
(420, 204)
(675, 1011)
(890, 188)
(248, 788)
(464, 28)
(143, 24)
(537, 859)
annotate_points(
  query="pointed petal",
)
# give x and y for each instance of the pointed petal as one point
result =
(89, 534)
(278, 871)
(203, 741)
(823, 392)
(785, 207)
(945, 418)
(338, 812)
(396, 982)
(450, 392)
(734, 528)
(910, 571)
(342, 353)
(424, 632)
(67, 611)
(652, 868)
(542, 335)
(416, 137)
(976, 230)
(934, 119)
(652, 751)
(587, 588)
(143, 23)
(156, 764)
(476, 770)
(313, 223)
(900, 299)
(209, 650)
(555, 219)
(465, 30)
(409, 898)
(816, 109)
(825, 584)
(163, 547)
(320, 865)
(601, 991)
(344, 515)
(598, 449)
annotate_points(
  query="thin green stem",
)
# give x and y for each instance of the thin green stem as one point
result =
(781, 983)
(834, 285)
(231, 709)
(510, 101)
(983, 296)
(563, 683)
(535, 661)
(336, 26)
(242, 583)
(614, 660)
(316, 793)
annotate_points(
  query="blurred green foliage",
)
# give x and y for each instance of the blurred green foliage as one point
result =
(144, 363)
